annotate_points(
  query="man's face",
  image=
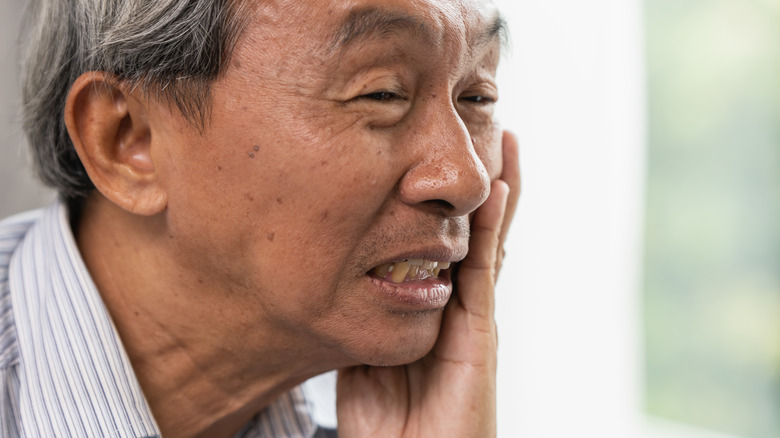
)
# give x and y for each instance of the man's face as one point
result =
(344, 136)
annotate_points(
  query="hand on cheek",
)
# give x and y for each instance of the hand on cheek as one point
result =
(451, 391)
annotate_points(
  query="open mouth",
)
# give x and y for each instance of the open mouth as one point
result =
(410, 270)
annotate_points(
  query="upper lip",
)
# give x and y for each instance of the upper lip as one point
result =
(437, 253)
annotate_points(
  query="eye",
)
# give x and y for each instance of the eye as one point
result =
(477, 104)
(483, 100)
(380, 102)
(382, 96)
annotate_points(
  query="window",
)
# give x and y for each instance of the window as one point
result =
(712, 264)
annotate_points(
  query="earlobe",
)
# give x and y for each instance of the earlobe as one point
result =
(110, 130)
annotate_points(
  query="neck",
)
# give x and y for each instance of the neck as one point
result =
(204, 369)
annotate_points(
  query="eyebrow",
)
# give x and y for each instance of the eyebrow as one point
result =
(364, 24)
(498, 29)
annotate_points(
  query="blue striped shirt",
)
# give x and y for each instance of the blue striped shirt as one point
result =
(63, 369)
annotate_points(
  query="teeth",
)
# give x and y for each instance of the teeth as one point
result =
(412, 269)
(399, 271)
(382, 270)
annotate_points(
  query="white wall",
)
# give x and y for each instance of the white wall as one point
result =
(573, 90)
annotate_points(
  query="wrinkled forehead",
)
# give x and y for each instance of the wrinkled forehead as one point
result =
(342, 24)
(473, 22)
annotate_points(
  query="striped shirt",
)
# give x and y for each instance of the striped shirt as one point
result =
(63, 369)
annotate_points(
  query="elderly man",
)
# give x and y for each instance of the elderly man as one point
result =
(253, 193)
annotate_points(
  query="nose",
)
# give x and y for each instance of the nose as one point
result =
(447, 175)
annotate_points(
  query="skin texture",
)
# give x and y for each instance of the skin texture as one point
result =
(236, 260)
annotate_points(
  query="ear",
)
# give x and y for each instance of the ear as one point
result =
(110, 130)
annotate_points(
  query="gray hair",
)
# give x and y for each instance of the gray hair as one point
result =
(175, 48)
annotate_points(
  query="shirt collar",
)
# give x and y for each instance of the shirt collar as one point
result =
(75, 376)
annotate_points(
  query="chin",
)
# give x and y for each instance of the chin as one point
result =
(408, 341)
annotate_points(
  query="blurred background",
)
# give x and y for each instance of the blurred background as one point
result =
(711, 285)
(18, 189)
(641, 293)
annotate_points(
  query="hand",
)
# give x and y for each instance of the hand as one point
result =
(451, 392)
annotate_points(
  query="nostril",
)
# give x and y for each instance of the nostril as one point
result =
(439, 204)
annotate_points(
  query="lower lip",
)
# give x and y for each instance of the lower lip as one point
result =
(421, 295)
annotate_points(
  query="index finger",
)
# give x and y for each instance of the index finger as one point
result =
(511, 176)
(477, 272)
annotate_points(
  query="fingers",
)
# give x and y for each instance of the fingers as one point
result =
(510, 175)
(476, 275)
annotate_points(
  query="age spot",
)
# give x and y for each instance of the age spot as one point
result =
(271, 236)
(279, 201)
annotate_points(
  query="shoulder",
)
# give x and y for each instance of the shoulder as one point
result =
(12, 232)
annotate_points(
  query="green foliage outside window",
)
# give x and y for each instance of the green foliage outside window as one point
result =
(712, 261)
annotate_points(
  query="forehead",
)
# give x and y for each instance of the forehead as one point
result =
(432, 20)
(342, 24)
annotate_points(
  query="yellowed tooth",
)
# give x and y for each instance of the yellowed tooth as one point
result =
(436, 272)
(399, 271)
(413, 271)
(382, 270)
(428, 264)
(444, 265)
(415, 262)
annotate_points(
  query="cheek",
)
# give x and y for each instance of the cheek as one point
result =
(487, 143)
(309, 268)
